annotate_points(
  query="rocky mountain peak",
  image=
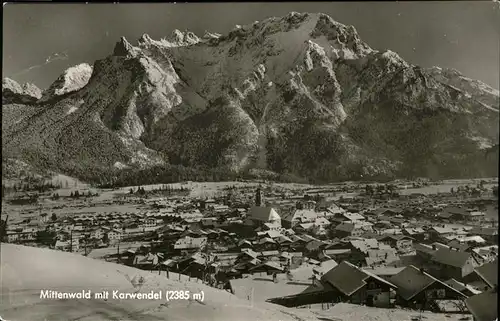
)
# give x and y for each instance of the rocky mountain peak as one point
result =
(14, 93)
(180, 39)
(71, 80)
(123, 48)
(299, 94)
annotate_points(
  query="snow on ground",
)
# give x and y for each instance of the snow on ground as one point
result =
(69, 182)
(22, 281)
(345, 311)
(259, 288)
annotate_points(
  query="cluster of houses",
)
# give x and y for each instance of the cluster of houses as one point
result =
(410, 287)
(434, 247)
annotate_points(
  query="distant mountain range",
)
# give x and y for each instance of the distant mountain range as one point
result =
(300, 94)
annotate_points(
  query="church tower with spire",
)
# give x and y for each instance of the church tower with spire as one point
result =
(259, 197)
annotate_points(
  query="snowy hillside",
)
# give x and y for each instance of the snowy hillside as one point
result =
(22, 281)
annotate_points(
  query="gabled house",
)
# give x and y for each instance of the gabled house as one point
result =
(393, 211)
(189, 243)
(265, 243)
(347, 217)
(299, 216)
(359, 286)
(146, 262)
(418, 289)
(400, 242)
(484, 306)
(350, 229)
(452, 264)
(247, 255)
(114, 234)
(245, 244)
(417, 233)
(343, 283)
(439, 233)
(489, 273)
(466, 289)
(489, 234)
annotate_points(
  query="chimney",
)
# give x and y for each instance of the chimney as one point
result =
(433, 246)
(422, 270)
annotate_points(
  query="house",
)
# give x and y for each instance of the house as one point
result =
(466, 289)
(266, 243)
(67, 246)
(348, 229)
(381, 257)
(189, 243)
(387, 211)
(245, 244)
(400, 242)
(341, 254)
(452, 264)
(284, 241)
(417, 233)
(334, 209)
(97, 233)
(486, 253)
(299, 216)
(489, 234)
(298, 243)
(457, 245)
(453, 213)
(484, 277)
(258, 215)
(489, 273)
(418, 289)
(246, 255)
(346, 217)
(474, 216)
(114, 235)
(484, 306)
(269, 267)
(322, 222)
(438, 233)
(357, 286)
(146, 262)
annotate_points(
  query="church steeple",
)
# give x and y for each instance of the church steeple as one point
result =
(259, 197)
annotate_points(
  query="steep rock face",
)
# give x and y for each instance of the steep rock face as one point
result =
(301, 94)
(14, 93)
(73, 79)
(470, 87)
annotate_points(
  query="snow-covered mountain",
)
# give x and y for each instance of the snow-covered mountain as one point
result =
(73, 79)
(13, 92)
(300, 94)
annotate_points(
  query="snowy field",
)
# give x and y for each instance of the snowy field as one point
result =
(22, 282)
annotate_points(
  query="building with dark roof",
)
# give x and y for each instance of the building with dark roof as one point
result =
(343, 283)
(484, 306)
(489, 273)
(466, 289)
(448, 263)
(419, 289)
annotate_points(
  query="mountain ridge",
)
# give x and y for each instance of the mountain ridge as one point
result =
(301, 94)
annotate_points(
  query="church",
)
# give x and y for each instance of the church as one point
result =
(260, 214)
